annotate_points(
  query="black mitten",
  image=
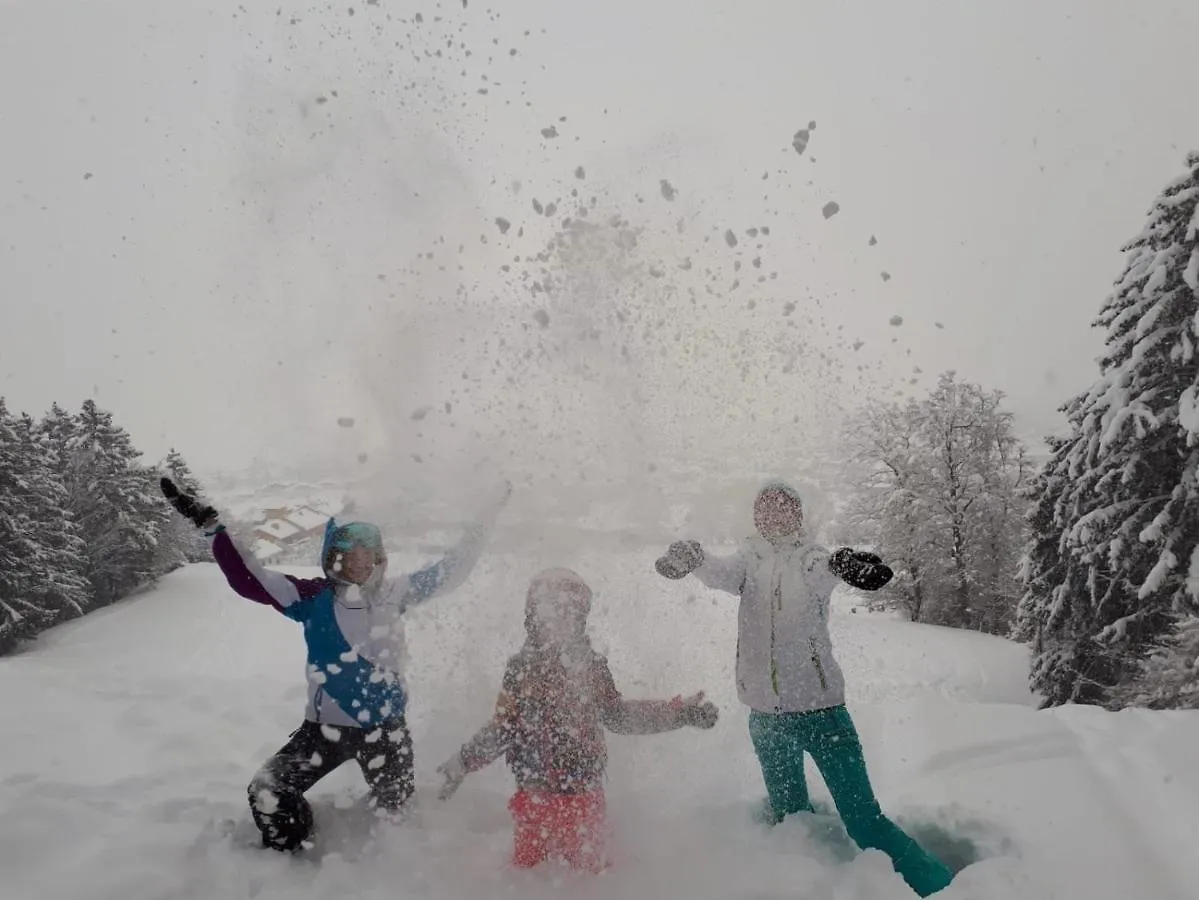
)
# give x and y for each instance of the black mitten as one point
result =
(186, 505)
(683, 558)
(859, 568)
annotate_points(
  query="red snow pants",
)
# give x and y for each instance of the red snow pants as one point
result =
(572, 827)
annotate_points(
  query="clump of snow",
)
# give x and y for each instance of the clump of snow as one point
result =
(730, 238)
(267, 801)
(668, 191)
(896, 321)
(346, 421)
(1188, 410)
(502, 224)
(549, 133)
(886, 276)
(1193, 574)
(542, 318)
(830, 209)
(800, 141)
(1190, 274)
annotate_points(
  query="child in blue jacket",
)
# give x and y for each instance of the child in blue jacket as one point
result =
(354, 630)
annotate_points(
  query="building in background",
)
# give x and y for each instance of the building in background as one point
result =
(283, 527)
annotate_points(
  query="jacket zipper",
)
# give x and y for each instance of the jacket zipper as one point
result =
(776, 604)
(740, 676)
(816, 662)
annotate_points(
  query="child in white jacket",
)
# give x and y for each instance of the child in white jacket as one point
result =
(788, 677)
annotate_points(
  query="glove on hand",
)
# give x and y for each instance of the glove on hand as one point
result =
(860, 569)
(454, 772)
(186, 505)
(698, 713)
(683, 558)
(848, 554)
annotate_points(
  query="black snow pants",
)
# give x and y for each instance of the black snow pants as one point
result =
(277, 801)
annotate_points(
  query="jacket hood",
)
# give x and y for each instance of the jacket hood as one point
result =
(556, 607)
(779, 486)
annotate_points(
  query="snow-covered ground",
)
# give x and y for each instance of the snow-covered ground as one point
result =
(129, 737)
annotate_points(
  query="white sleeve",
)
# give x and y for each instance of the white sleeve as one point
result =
(822, 578)
(449, 573)
(723, 573)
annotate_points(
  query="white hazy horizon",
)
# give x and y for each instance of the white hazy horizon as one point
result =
(235, 227)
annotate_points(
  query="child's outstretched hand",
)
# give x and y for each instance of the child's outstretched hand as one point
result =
(454, 773)
(683, 558)
(187, 506)
(698, 712)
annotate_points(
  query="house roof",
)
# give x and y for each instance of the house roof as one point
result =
(278, 528)
(263, 549)
(307, 519)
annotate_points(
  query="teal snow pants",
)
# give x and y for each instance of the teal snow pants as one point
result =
(780, 740)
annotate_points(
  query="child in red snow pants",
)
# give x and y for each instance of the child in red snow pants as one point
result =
(557, 699)
(572, 827)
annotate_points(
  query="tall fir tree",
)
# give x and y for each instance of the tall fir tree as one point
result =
(62, 563)
(120, 513)
(20, 615)
(40, 555)
(185, 541)
(58, 427)
(1169, 676)
(1128, 508)
(1046, 616)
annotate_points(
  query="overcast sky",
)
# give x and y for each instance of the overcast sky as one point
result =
(216, 222)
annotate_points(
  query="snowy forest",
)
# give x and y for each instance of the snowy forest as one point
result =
(82, 521)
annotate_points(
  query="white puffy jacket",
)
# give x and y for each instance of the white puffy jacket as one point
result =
(785, 657)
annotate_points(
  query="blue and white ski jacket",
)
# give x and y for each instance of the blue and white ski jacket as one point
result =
(355, 635)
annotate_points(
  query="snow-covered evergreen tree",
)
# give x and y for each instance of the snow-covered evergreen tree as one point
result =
(120, 512)
(41, 556)
(1169, 677)
(1048, 614)
(1128, 508)
(1041, 564)
(20, 615)
(62, 562)
(57, 427)
(183, 538)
